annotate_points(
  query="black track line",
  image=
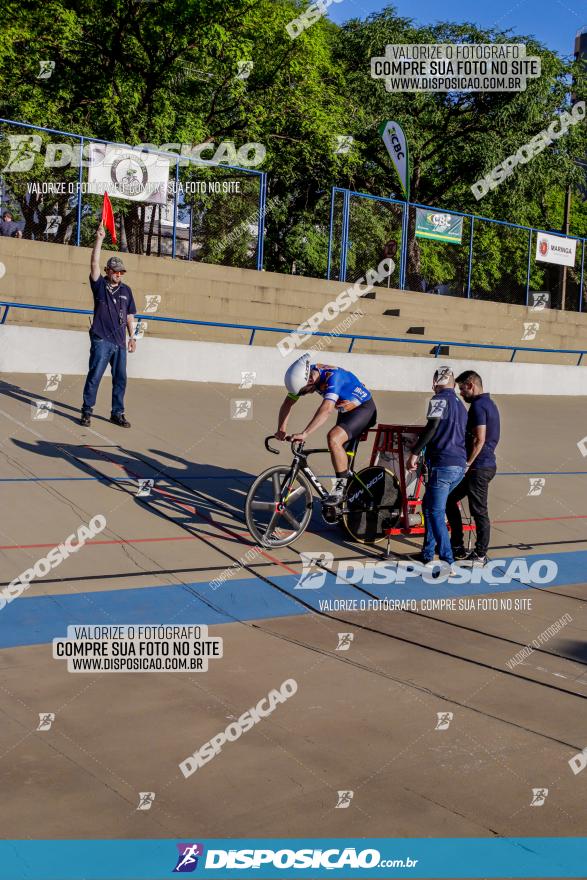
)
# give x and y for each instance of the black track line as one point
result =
(337, 620)
(451, 623)
(313, 610)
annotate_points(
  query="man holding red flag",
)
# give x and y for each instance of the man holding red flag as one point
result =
(114, 308)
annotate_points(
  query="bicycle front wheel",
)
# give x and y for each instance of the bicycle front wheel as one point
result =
(372, 503)
(277, 511)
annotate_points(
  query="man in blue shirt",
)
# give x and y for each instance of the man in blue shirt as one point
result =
(9, 227)
(114, 308)
(341, 391)
(444, 441)
(483, 428)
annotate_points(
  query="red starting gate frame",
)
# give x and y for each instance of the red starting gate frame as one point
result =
(390, 439)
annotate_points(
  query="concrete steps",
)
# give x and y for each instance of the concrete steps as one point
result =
(211, 308)
(57, 275)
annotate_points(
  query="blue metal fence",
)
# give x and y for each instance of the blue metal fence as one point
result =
(352, 248)
(349, 254)
(9, 187)
(437, 344)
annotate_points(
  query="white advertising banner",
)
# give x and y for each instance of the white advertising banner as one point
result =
(397, 146)
(125, 173)
(556, 249)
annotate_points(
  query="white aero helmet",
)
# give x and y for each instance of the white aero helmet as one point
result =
(298, 374)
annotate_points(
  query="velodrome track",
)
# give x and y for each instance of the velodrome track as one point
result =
(362, 720)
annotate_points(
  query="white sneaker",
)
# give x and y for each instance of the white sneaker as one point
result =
(339, 485)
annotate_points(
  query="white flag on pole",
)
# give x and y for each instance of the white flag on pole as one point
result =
(397, 147)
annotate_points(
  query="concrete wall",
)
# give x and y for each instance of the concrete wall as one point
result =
(50, 274)
(37, 350)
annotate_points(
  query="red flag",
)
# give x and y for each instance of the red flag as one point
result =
(108, 217)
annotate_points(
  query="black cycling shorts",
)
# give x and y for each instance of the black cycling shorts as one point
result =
(358, 420)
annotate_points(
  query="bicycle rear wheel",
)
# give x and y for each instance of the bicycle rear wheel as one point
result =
(373, 504)
(277, 514)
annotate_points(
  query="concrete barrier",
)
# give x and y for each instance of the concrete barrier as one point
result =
(40, 350)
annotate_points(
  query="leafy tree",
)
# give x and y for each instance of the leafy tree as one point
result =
(140, 71)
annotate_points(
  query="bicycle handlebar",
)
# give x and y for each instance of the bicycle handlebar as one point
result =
(296, 445)
(270, 448)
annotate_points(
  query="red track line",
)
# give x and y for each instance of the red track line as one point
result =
(90, 543)
(540, 519)
(194, 537)
(192, 509)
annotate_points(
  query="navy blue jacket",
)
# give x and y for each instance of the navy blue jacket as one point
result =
(447, 447)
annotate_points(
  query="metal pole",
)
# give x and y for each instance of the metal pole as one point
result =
(191, 237)
(582, 275)
(566, 232)
(79, 194)
(345, 232)
(261, 225)
(330, 233)
(404, 250)
(175, 202)
(470, 257)
(528, 270)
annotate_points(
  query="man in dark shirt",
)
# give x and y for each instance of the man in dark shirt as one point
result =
(482, 437)
(114, 308)
(444, 439)
(9, 226)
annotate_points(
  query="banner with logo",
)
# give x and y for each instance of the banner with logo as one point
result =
(438, 225)
(288, 858)
(556, 249)
(397, 147)
(124, 173)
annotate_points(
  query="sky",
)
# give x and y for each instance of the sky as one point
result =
(552, 22)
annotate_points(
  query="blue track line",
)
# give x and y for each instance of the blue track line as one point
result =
(38, 619)
(232, 477)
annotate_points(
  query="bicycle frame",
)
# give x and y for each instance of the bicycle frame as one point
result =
(300, 463)
(284, 492)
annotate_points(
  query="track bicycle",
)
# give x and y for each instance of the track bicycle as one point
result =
(279, 503)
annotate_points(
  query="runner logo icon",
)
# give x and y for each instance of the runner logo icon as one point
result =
(46, 719)
(436, 409)
(444, 719)
(313, 570)
(187, 860)
(539, 796)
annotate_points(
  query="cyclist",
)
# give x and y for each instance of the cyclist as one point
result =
(342, 391)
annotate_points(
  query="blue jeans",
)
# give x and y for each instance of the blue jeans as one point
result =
(441, 482)
(102, 353)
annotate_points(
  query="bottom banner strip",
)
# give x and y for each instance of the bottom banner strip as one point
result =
(300, 857)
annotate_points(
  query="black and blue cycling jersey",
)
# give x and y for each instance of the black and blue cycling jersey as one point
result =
(341, 386)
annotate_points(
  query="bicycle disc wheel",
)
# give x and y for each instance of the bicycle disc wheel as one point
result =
(373, 504)
(269, 524)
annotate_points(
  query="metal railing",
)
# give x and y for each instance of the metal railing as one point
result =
(361, 225)
(437, 344)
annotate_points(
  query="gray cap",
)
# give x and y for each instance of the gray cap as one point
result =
(116, 264)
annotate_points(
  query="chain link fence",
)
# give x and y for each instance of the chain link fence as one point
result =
(207, 212)
(484, 259)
